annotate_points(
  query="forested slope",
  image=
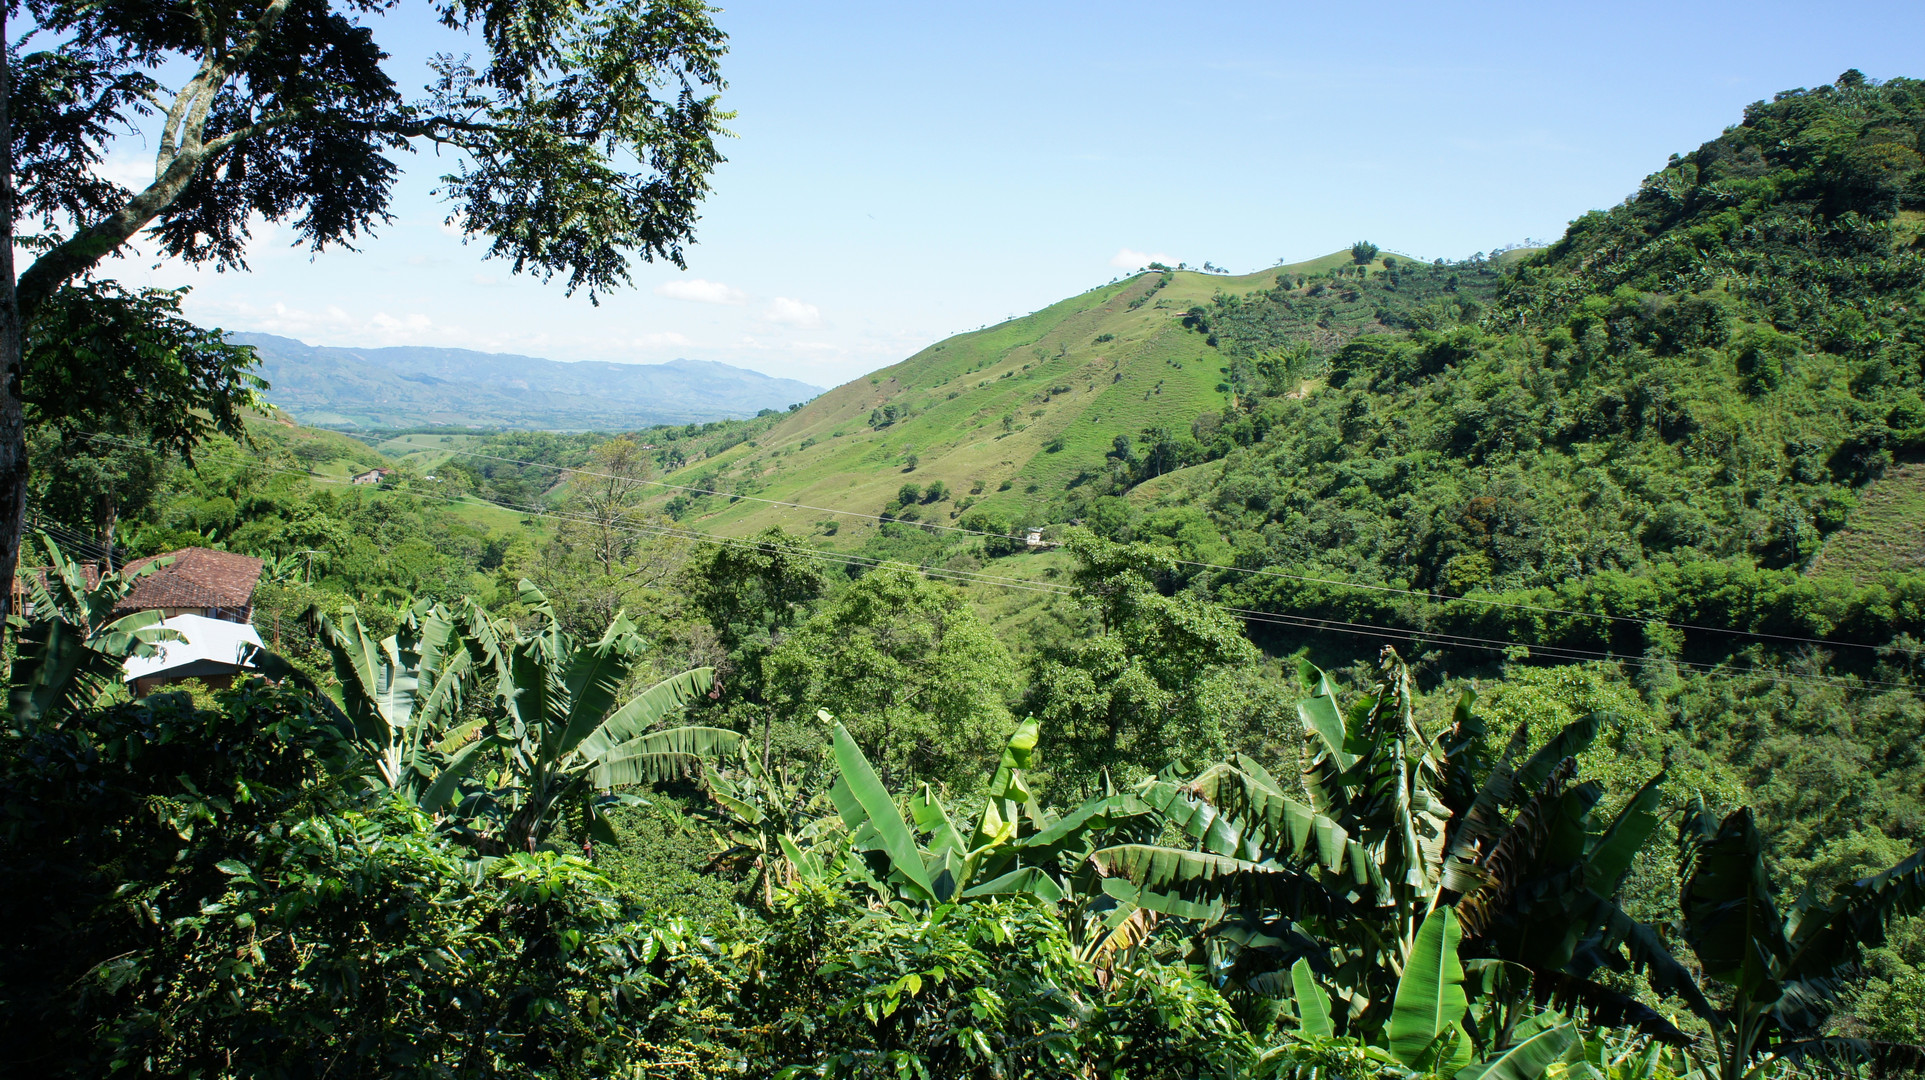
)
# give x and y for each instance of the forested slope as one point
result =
(1667, 412)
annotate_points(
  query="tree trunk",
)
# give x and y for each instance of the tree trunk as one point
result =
(109, 518)
(13, 421)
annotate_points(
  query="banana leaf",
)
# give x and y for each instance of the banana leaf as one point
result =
(641, 712)
(1313, 1005)
(864, 788)
(1031, 880)
(1426, 1015)
(658, 756)
(1526, 1059)
(1609, 861)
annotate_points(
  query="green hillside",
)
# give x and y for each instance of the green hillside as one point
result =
(425, 450)
(1670, 413)
(1009, 418)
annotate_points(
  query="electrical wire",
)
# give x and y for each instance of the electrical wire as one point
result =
(1248, 615)
(1200, 565)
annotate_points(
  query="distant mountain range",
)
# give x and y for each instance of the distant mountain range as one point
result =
(414, 386)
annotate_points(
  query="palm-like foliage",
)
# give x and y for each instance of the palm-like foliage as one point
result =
(1340, 868)
(1536, 873)
(764, 819)
(1782, 976)
(401, 697)
(569, 739)
(71, 650)
(1384, 826)
(1011, 845)
(912, 850)
(1433, 1013)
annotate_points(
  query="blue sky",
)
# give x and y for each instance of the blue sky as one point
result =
(907, 171)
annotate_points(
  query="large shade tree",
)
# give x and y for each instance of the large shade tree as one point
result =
(583, 134)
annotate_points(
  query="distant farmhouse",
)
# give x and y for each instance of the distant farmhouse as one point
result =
(372, 476)
(207, 597)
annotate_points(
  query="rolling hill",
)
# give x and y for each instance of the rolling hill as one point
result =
(1010, 417)
(348, 388)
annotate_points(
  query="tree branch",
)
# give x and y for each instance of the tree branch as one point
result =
(169, 139)
(272, 120)
(87, 247)
(182, 153)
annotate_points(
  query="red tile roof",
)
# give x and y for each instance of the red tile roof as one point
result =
(198, 578)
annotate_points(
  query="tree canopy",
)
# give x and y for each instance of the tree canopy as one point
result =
(583, 136)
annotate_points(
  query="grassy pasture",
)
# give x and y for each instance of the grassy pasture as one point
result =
(1885, 532)
(425, 451)
(1008, 416)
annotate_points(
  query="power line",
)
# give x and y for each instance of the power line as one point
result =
(1248, 615)
(1255, 572)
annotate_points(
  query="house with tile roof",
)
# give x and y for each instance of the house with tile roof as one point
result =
(195, 581)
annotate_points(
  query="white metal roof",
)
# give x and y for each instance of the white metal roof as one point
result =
(214, 640)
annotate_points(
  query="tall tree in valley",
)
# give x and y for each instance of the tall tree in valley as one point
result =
(914, 674)
(606, 495)
(605, 556)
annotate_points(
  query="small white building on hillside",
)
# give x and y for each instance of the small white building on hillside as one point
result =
(214, 651)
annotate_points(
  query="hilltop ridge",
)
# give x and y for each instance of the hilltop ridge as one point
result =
(1009, 417)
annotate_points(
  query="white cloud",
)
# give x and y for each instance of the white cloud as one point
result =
(663, 338)
(793, 313)
(411, 329)
(130, 168)
(701, 292)
(1129, 259)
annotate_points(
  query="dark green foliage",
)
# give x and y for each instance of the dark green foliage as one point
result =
(1155, 685)
(520, 468)
(987, 989)
(917, 676)
(749, 594)
(364, 542)
(192, 893)
(101, 359)
(115, 830)
(1329, 312)
(663, 863)
(114, 383)
(1680, 400)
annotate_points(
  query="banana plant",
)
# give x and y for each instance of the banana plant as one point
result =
(1536, 874)
(766, 821)
(570, 741)
(1342, 868)
(70, 651)
(1782, 977)
(401, 698)
(1433, 1014)
(1011, 845)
